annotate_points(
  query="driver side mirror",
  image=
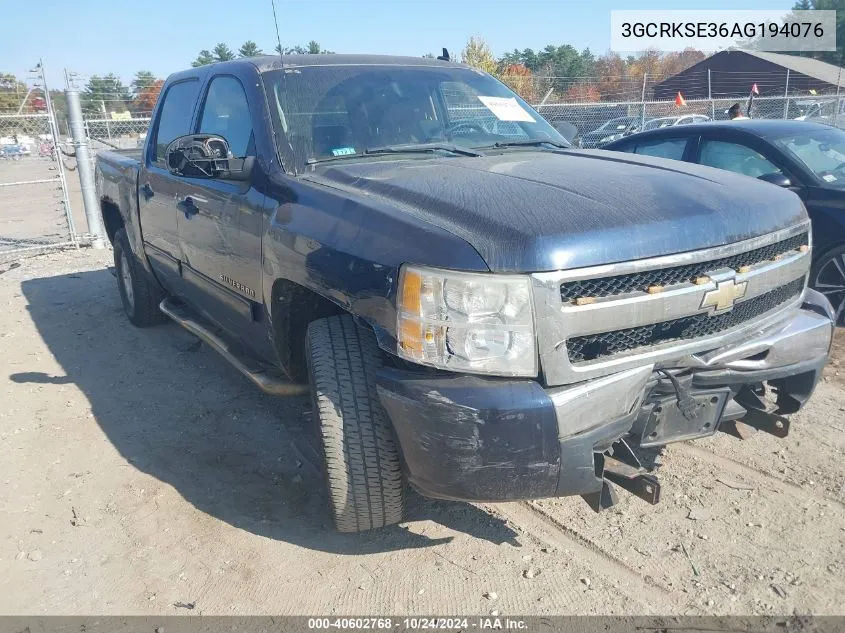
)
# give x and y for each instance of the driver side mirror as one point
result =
(776, 178)
(206, 156)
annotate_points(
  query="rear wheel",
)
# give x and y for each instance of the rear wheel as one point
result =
(828, 277)
(361, 460)
(139, 294)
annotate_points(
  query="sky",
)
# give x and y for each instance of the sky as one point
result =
(97, 37)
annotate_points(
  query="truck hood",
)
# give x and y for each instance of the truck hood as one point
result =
(539, 211)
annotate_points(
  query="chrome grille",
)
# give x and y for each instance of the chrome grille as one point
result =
(623, 326)
(587, 348)
(641, 281)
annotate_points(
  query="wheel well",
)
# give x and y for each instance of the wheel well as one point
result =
(293, 307)
(112, 219)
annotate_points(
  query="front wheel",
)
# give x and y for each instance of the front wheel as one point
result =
(828, 277)
(361, 460)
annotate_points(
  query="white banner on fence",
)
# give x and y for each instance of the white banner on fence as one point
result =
(714, 30)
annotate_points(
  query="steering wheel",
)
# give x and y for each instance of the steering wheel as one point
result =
(466, 128)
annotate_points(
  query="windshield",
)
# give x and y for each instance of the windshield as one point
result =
(342, 112)
(822, 151)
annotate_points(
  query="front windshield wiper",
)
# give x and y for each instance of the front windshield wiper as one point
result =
(410, 148)
(528, 143)
(422, 147)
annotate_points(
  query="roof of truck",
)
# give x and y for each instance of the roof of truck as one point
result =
(275, 62)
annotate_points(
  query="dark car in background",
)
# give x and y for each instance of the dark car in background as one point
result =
(808, 158)
(611, 131)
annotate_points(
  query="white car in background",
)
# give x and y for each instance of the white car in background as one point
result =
(671, 121)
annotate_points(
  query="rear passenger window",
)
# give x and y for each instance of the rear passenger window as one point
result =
(176, 112)
(664, 148)
(226, 114)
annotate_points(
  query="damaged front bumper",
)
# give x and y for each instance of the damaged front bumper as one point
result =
(485, 439)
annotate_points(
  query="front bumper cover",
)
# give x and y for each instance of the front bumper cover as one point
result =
(486, 439)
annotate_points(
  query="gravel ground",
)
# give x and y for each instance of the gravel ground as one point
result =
(142, 475)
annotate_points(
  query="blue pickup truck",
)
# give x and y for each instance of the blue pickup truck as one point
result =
(474, 307)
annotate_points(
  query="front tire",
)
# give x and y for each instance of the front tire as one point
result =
(139, 294)
(361, 460)
(828, 277)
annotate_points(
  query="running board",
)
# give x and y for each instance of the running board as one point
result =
(252, 369)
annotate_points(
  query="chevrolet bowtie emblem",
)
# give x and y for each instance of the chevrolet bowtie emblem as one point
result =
(724, 296)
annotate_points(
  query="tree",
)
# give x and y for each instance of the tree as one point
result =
(143, 79)
(205, 57)
(105, 94)
(220, 53)
(477, 54)
(312, 48)
(12, 93)
(519, 79)
(146, 98)
(582, 93)
(836, 57)
(249, 49)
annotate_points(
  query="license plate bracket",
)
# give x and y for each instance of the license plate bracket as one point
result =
(664, 422)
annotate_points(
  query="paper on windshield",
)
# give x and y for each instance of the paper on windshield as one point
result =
(506, 109)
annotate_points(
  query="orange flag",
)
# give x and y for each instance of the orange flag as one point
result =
(679, 99)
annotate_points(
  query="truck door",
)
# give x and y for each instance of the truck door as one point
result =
(221, 222)
(157, 187)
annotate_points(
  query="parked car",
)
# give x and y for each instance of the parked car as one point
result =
(494, 316)
(611, 131)
(670, 121)
(807, 158)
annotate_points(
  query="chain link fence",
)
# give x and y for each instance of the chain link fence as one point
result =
(34, 201)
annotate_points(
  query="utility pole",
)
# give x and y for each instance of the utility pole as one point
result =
(83, 167)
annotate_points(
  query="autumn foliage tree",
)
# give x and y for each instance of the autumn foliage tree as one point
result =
(519, 79)
(146, 98)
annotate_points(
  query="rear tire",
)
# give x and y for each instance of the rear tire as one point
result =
(139, 294)
(828, 277)
(361, 460)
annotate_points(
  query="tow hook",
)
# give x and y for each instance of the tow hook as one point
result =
(757, 417)
(624, 470)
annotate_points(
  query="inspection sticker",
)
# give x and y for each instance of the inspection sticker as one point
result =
(343, 151)
(506, 109)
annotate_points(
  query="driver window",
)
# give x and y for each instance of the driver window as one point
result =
(736, 158)
(226, 114)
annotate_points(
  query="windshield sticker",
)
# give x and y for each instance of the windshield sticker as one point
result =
(506, 109)
(343, 151)
(829, 177)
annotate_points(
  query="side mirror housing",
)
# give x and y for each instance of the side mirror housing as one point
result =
(566, 130)
(776, 178)
(206, 156)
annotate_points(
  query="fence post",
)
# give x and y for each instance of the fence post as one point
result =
(83, 166)
(642, 103)
(836, 111)
(60, 166)
(710, 96)
(786, 96)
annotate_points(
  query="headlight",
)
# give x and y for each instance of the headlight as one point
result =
(472, 322)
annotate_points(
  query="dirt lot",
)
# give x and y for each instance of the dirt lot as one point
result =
(142, 475)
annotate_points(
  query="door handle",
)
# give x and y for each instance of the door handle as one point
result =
(147, 191)
(188, 207)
